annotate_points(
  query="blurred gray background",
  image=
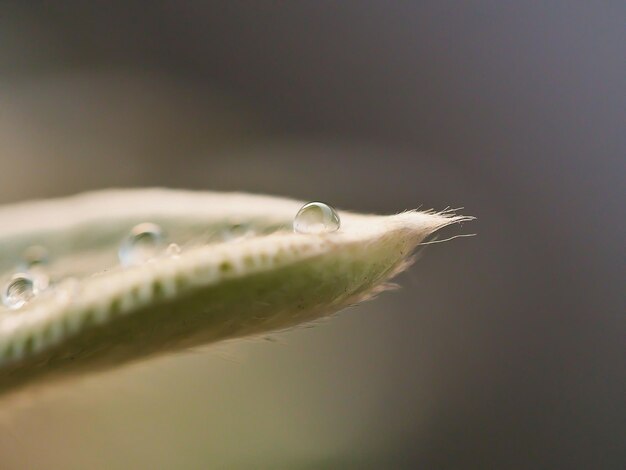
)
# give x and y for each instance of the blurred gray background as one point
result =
(506, 350)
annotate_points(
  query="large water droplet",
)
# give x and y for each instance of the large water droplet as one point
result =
(142, 244)
(316, 217)
(20, 289)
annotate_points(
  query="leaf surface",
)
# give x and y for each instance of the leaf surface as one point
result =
(98, 315)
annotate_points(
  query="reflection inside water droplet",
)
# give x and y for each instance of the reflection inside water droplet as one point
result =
(316, 217)
(20, 289)
(142, 243)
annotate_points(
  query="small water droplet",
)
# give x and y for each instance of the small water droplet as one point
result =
(316, 217)
(34, 261)
(20, 289)
(40, 277)
(35, 255)
(173, 250)
(237, 231)
(142, 243)
(66, 290)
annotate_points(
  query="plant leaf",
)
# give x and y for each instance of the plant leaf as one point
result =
(214, 290)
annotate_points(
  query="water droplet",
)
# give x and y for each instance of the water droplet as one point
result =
(66, 290)
(34, 260)
(237, 231)
(40, 277)
(173, 250)
(35, 255)
(20, 289)
(316, 217)
(142, 243)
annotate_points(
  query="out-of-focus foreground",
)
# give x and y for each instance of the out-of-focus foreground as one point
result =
(501, 351)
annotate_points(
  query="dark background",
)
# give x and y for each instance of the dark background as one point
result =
(505, 350)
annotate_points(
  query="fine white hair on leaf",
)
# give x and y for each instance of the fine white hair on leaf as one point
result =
(98, 314)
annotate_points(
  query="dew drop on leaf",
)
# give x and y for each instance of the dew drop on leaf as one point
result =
(237, 232)
(34, 261)
(173, 250)
(66, 289)
(315, 218)
(20, 289)
(142, 244)
(35, 255)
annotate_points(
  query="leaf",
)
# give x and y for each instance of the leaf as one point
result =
(213, 290)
